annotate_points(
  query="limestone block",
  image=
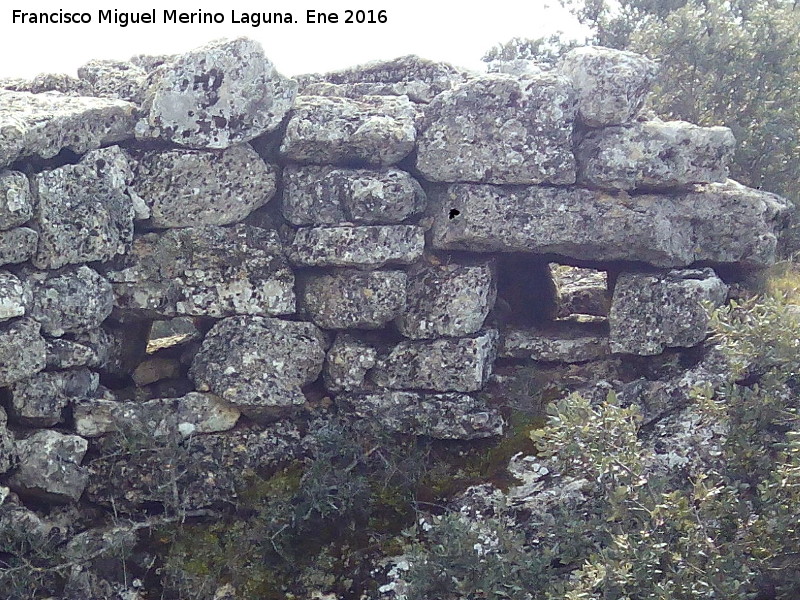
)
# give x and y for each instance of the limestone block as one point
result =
(17, 245)
(15, 298)
(22, 350)
(16, 199)
(39, 401)
(114, 79)
(564, 342)
(50, 466)
(347, 363)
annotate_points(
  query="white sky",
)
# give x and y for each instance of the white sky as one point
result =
(440, 31)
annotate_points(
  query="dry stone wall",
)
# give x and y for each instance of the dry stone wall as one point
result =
(197, 244)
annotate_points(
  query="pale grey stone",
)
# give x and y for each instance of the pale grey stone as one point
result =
(6, 448)
(518, 67)
(450, 298)
(259, 364)
(22, 350)
(83, 212)
(218, 95)
(15, 298)
(367, 247)
(442, 416)
(187, 188)
(39, 401)
(581, 291)
(650, 312)
(50, 467)
(17, 245)
(205, 271)
(347, 363)
(48, 82)
(374, 130)
(16, 199)
(70, 301)
(719, 223)
(611, 84)
(443, 365)
(67, 354)
(44, 124)
(563, 342)
(500, 129)
(114, 79)
(654, 154)
(323, 195)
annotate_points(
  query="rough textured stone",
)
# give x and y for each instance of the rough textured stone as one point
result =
(68, 354)
(17, 245)
(449, 298)
(48, 82)
(368, 247)
(44, 124)
(211, 271)
(172, 332)
(500, 129)
(374, 130)
(6, 447)
(347, 363)
(259, 364)
(40, 400)
(16, 199)
(355, 299)
(581, 291)
(320, 195)
(563, 342)
(442, 416)
(22, 350)
(73, 300)
(221, 94)
(84, 214)
(50, 466)
(15, 298)
(114, 79)
(654, 154)
(155, 369)
(192, 414)
(720, 223)
(611, 84)
(518, 67)
(185, 188)
(650, 312)
(444, 365)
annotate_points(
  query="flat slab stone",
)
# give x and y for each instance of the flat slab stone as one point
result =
(22, 350)
(500, 129)
(354, 299)
(16, 199)
(651, 312)
(17, 245)
(654, 154)
(611, 84)
(719, 223)
(322, 195)
(187, 188)
(441, 416)
(375, 130)
(443, 365)
(563, 342)
(83, 213)
(44, 124)
(347, 363)
(50, 467)
(114, 79)
(205, 271)
(68, 354)
(218, 95)
(39, 401)
(367, 247)
(259, 364)
(15, 298)
(450, 299)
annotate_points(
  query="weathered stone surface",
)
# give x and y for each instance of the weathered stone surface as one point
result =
(70, 301)
(321, 195)
(50, 466)
(15, 298)
(22, 350)
(192, 414)
(172, 332)
(84, 214)
(368, 247)
(44, 124)
(451, 298)
(355, 299)
(150, 62)
(16, 199)
(444, 365)
(650, 312)
(347, 363)
(155, 369)
(581, 291)
(68, 354)
(374, 130)
(40, 400)
(17, 245)
(500, 129)
(211, 271)
(186, 188)
(720, 223)
(114, 79)
(6, 446)
(218, 95)
(611, 84)
(442, 416)
(563, 342)
(259, 364)
(654, 154)
(518, 67)
(48, 82)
